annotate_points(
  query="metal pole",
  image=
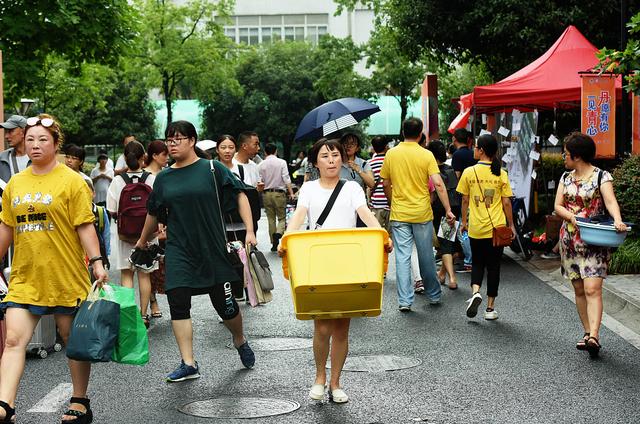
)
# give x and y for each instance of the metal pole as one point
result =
(624, 145)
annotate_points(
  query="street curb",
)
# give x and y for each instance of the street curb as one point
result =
(621, 313)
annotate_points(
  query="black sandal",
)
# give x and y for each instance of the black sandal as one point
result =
(81, 417)
(9, 413)
(582, 343)
(593, 347)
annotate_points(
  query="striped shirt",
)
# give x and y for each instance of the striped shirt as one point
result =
(378, 198)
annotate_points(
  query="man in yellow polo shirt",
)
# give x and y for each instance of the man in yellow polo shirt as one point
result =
(406, 171)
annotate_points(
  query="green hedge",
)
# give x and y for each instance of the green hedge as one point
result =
(626, 185)
(626, 260)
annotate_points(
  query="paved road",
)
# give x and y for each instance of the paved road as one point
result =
(523, 368)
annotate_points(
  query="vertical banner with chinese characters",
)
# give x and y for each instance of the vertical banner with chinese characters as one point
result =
(635, 112)
(598, 113)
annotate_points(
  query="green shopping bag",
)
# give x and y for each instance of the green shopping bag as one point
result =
(133, 343)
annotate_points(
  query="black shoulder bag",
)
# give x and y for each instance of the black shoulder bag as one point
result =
(330, 202)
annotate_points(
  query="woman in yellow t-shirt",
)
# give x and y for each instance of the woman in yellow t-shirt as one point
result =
(487, 199)
(47, 215)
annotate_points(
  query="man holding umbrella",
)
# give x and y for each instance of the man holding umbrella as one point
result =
(405, 172)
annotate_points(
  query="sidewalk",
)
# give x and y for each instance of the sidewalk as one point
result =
(620, 293)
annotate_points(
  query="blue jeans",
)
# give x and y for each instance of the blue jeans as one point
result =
(466, 248)
(404, 234)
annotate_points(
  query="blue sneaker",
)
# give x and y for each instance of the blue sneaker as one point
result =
(246, 355)
(184, 372)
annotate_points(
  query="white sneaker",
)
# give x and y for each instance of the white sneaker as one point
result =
(490, 315)
(338, 396)
(317, 392)
(474, 302)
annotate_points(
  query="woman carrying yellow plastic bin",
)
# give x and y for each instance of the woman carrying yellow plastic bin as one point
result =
(330, 335)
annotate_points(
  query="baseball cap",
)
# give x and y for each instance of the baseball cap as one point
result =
(14, 121)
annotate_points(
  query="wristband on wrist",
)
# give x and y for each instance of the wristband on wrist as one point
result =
(95, 259)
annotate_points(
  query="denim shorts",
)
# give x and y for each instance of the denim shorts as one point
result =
(41, 310)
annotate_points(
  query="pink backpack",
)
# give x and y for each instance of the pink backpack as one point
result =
(132, 209)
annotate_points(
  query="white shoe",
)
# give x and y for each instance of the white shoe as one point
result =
(338, 396)
(317, 392)
(474, 302)
(490, 315)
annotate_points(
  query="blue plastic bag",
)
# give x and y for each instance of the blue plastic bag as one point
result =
(94, 330)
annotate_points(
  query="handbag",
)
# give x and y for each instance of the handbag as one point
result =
(501, 235)
(94, 330)
(261, 268)
(231, 254)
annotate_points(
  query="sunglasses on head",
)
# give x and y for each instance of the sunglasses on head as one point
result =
(34, 120)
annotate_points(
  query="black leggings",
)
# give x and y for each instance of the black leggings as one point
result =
(484, 255)
(221, 297)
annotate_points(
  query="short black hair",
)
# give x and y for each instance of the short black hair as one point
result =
(412, 127)
(379, 143)
(133, 152)
(184, 128)
(350, 136)
(333, 144)
(245, 137)
(76, 151)
(270, 148)
(461, 135)
(581, 146)
(451, 149)
(439, 151)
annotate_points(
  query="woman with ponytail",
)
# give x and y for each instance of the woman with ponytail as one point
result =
(486, 204)
(134, 158)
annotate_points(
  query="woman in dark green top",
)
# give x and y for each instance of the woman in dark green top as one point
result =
(184, 197)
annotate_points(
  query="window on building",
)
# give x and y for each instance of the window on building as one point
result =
(294, 19)
(248, 20)
(254, 38)
(231, 33)
(271, 20)
(266, 36)
(289, 33)
(243, 35)
(299, 33)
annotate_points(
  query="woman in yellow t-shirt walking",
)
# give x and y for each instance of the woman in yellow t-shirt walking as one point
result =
(47, 214)
(487, 199)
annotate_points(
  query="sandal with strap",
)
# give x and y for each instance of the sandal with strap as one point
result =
(81, 417)
(593, 347)
(582, 343)
(9, 413)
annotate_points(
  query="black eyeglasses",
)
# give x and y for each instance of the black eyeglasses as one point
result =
(175, 141)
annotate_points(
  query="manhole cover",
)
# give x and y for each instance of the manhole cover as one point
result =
(278, 343)
(378, 363)
(228, 407)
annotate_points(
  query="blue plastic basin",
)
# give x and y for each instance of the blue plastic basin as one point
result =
(601, 234)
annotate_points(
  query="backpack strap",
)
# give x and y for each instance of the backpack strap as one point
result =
(332, 200)
(600, 177)
(144, 176)
(126, 178)
(100, 212)
(241, 171)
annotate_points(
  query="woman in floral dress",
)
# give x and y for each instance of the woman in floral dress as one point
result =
(585, 192)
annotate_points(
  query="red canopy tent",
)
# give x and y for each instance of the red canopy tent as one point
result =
(551, 81)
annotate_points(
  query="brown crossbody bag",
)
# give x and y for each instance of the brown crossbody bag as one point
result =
(502, 234)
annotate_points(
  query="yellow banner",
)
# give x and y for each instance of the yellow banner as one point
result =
(598, 113)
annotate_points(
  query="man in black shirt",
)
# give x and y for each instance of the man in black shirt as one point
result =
(462, 159)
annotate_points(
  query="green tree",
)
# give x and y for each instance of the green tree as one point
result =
(627, 61)
(97, 104)
(183, 45)
(278, 84)
(75, 30)
(393, 73)
(505, 34)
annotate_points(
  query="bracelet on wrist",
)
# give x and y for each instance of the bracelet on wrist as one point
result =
(95, 259)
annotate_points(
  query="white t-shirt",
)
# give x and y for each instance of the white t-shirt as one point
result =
(251, 173)
(343, 213)
(116, 186)
(102, 185)
(22, 162)
(121, 162)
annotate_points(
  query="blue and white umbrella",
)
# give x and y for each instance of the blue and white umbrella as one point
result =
(333, 116)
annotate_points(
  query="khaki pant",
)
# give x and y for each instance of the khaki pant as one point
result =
(382, 215)
(275, 203)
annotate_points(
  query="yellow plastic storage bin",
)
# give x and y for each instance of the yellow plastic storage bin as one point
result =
(336, 273)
